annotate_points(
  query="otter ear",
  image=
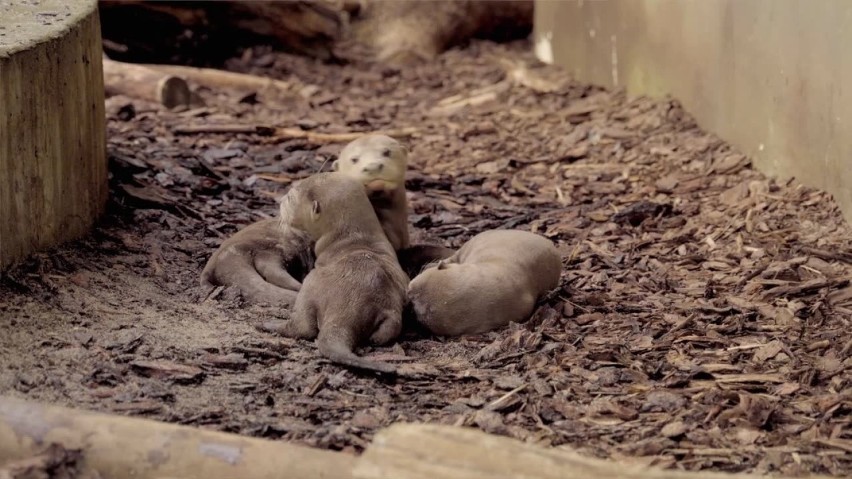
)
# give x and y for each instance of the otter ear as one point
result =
(316, 208)
(442, 265)
(335, 165)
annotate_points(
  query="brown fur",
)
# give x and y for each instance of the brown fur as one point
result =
(412, 31)
(414, 258)
(495, 278)
(356, 292)
(379, 163)
(258, 260)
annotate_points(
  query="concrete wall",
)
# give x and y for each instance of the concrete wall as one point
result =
(773, 77)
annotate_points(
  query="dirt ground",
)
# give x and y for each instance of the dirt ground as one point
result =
(701, 323)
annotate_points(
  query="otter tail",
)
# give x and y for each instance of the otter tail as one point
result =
(335, 349)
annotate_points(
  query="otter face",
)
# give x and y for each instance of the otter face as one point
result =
(438, 291)
(293, 207)
(313, 201)
(377, 161)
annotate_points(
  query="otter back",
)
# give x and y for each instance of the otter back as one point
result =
(495, 278)
(356, 292)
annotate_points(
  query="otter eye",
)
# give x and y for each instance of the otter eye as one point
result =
(386, 152)
(354, 160)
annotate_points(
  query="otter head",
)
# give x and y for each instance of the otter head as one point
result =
(377, 161)
(439, 288)
(316, 204)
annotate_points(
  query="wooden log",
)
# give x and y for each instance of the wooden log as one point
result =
(138, 81)
(413, 451)
(53, 166)
(120, 447)
(215, 78)
(170, 84)
(196, 33)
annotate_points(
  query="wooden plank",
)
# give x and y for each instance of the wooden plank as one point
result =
(424, 451)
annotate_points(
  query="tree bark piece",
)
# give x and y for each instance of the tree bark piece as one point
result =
(137, 81)
(53, 166)
(414, 451)
(120, 447)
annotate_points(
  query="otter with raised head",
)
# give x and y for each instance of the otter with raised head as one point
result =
(495, 278)
(263, 261)
(379, 163)
(356, 291)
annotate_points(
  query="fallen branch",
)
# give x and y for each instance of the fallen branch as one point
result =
(211, 77)
(340, 137)
(290, 133)
(138, 81)
(225, 128)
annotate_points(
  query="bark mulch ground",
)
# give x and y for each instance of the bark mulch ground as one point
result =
(701, 324)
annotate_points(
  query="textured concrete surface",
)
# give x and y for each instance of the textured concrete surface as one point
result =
(25, 23)
(769, 76)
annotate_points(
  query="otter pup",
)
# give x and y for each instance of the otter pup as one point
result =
(495, 278)
(356, 291)
(379, 163)
(260, 261)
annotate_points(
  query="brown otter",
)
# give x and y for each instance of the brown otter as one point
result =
(493, 279)
(261, 261)
(356, 291)
(379, 163)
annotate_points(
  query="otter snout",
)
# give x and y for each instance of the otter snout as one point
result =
(373, 168)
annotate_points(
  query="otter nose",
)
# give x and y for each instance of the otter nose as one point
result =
(373, 168)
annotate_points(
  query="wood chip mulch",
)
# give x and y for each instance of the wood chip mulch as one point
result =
(703, 320)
